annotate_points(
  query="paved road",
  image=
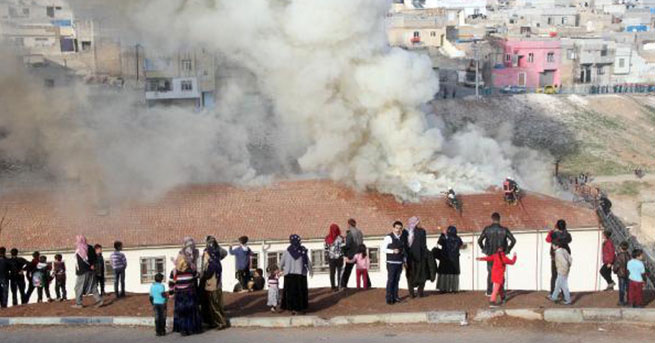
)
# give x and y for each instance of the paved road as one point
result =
(373, 334)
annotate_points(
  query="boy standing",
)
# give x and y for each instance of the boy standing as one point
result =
(395, 246)
(158, 300)
(59, 269)
(100, 269)
(563, 264)
(621, 270)
(242, 257)
(118, 264)
(609, 253)
(636, 271)
(17, 277)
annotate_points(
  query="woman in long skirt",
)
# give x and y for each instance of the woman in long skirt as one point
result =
(186, 320)
(448, 255)
(295, 266)
(213, 310)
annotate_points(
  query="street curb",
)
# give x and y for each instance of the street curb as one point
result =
(558, 315)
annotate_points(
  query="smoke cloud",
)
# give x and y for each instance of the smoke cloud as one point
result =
(313, 90)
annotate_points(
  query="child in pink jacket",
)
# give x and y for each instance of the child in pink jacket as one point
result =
(362, 264)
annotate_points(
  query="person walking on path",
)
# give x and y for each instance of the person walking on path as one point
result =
(295, 265)
(212, 272)
(499, 262)
(609, 254)
(394, 246)
(17, 277)
(620, 268)
(421, 265)
(493, 237)
(118, 265)
(354, 238)
(242, 255)
(183, 283)
(563, 263)
(334, 250)
(448, 256)
(84, 270)
(561, 235)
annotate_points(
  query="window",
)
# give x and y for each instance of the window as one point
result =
(49, 83)
(254, 260)
(433, 34)
(531, 57)
(416, 34)
(550, 21)
(564, 19)
(550, 57)
(186, 65)
(50, 11)
(187, 85)
(273, 258)
(150, 266)
(621, 62)
(571, 54)
(374, 257)
(319, 262)
(508, 58)
(86, 46)
(109, 272)
(603, 52)
(601, 70)
(26, 12)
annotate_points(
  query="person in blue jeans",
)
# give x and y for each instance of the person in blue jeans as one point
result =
(158, 299)
(118, 264)
(395, 247)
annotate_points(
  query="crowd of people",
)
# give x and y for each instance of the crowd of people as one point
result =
(195, 282)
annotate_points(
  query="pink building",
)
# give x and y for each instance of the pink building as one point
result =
(527, 62)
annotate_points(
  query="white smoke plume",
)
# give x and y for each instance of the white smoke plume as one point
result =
(351, 104)
(331, 99)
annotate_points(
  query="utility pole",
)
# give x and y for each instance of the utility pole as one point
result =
(477, 70)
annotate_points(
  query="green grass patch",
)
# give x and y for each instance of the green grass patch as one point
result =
(627, 188)
(583, 162)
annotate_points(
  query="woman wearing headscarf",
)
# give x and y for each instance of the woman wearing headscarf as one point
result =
(419, 259)
(84, 270)
(295, 266)
(212, 271)
(187, 319)
(448, 256)
(334, 251)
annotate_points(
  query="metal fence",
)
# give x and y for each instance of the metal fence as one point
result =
(620, 233)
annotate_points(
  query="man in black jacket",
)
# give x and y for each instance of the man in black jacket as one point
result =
(492, 237)
(560, 237)
(354, 238)
(17, 277)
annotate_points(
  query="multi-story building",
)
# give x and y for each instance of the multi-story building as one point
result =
(592, 60)
(469, 8)
(186, 78)
(417, 29)
(526, 62)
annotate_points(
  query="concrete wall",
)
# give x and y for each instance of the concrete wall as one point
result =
(531, 272)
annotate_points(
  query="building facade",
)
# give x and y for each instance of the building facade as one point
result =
(530, 63)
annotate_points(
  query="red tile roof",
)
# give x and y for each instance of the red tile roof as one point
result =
(50, 220)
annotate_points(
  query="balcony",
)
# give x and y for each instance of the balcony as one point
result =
(415, 40)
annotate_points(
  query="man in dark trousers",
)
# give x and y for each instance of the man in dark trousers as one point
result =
(418, 270)
(560, 236)
(354, 238)
(4, 278)
(17, 277)
(394, 246)
(492, 237)
(30, 268)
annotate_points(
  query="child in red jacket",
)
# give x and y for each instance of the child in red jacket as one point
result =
(500, 260)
